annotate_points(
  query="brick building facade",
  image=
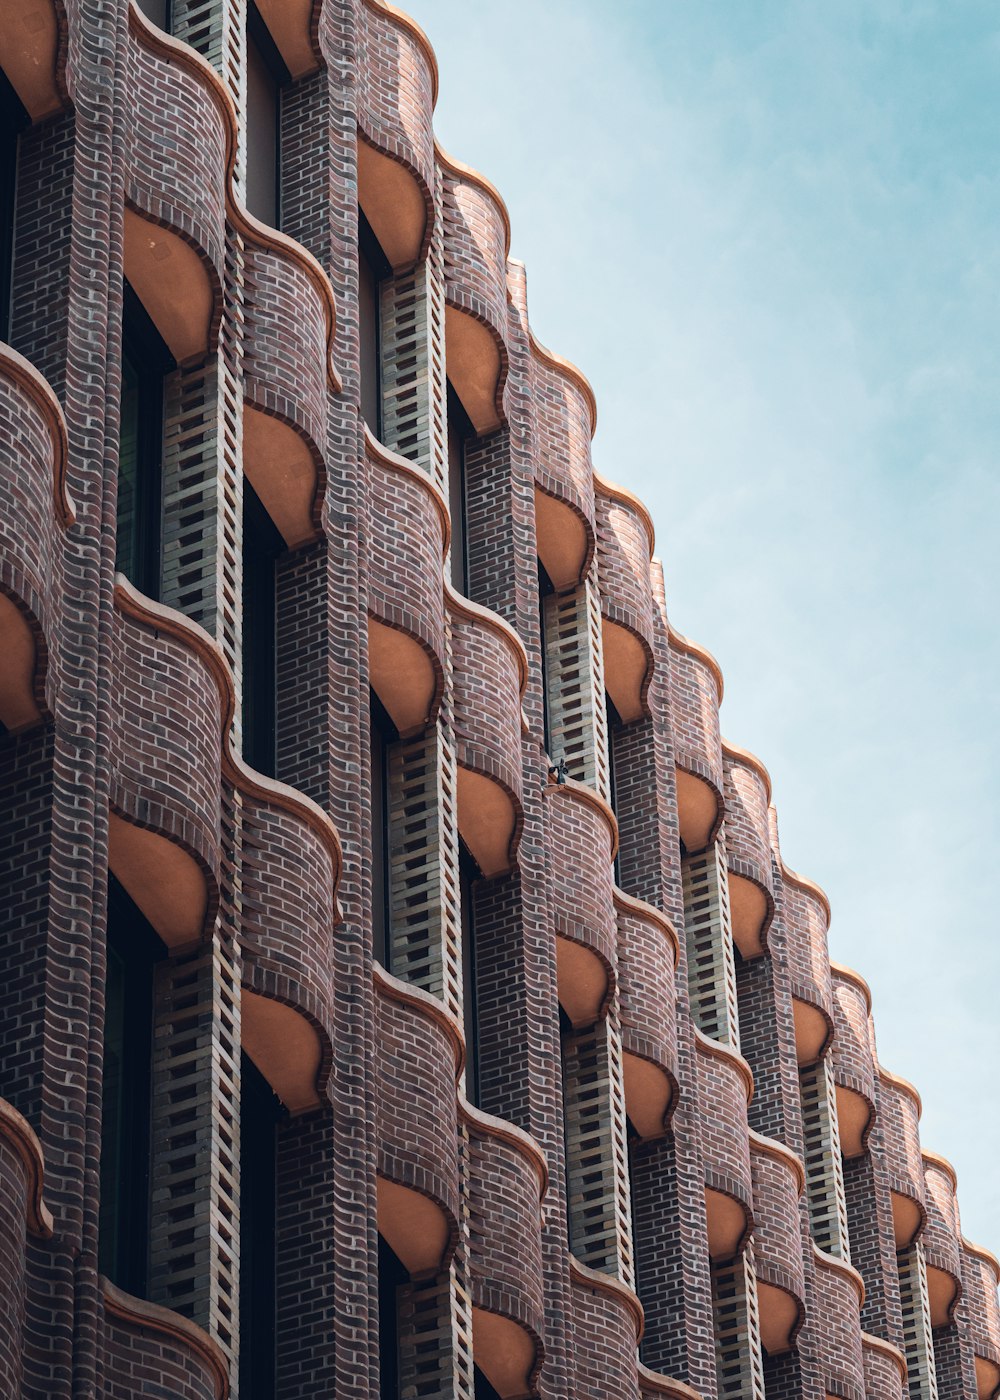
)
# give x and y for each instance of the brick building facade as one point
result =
(402, 989)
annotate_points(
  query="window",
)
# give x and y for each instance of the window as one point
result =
(483, 1390)
(260, 1111)
(266, 75)
(262, 543)
(13, 120)
(382, 734)
(468, 874)
(460, 430)
(145, 362)
(391, 1277)
(158, 11)
(545, 588)
(373, 269)
(133, 949)
(614, 725)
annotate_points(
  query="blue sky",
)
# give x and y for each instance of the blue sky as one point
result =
(768, 234)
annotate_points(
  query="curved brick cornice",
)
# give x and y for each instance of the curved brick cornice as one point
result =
(652, 1383)
(416, 1120)
(934, 1159)
(942, 1238)
(715, 1050)
(568, 370)
(629, 904)
(490, 670)
(378, 452)
(612, 1288)
(407, 645)
(506, 1175)
(476, 244)
(464, 607)
(511, 1134)
(469, 176)
(397, 90)
(778, 1184)
(886, 1349)
(572, 791)
(629, 501)
(35, 513)
(647, 962)
(624, 535)
(133, 604)
(807, 887)
(174, 1329)
(746, 759)
(903, 1086)
(848, 974)
(747, 793)
(256, 233)
(582, 838)
(853, 1060)
(725, 1088)
(842, 1270)
(985, 1256)
(694, 649)
(839, 1297)
(770, 1147)
(22, 373)
(20, 1134)
(405, 994)
(405, 21)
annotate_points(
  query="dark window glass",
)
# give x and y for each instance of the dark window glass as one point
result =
(373, 268)
(483, 1389)
(383, 733)
(614, 725)
(262, 543)
(544, 589)
(133, 949)
(565, 1032)
(468, 874)
(145, 361)
(391, 1276)
(13, 120)
(158, 11)
(260, 1110)
(460, 430)
(266, 75)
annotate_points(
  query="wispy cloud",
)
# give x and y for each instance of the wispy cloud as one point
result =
(768, 234)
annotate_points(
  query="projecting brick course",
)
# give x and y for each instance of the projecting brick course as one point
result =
(631, 1208)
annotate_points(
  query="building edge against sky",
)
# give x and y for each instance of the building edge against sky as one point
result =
(404, 992)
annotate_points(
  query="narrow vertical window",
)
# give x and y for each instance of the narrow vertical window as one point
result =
(262, 543)
(13, 120)
(158, 11)
(614, 725)
(133, 948)
(383, 733)
(145, 362)
(468, 874)
(391, 1277)
(460, 430)
(545, 588)
(373, 269)
(266, 75)
(260, 1110)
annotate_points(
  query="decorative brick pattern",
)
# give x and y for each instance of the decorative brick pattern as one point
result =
(710, 965)
(823, 1162)
(639, 1154)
